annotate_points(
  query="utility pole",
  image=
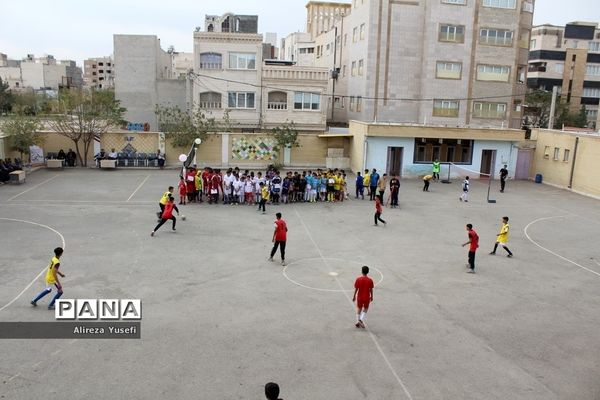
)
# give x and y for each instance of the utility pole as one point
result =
(552, 107)
(334, 73)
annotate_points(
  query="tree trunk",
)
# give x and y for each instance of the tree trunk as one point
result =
(77, 151)
(86, 147)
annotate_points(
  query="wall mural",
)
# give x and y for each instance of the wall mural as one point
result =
(256, 149)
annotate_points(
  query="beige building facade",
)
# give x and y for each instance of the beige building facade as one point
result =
(98, 73)
(447, 62)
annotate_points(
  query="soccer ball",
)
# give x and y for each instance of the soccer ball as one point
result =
(183, 217)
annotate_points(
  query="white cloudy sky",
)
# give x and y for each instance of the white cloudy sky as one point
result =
(77, 29)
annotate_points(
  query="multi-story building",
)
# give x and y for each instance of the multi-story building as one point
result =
(299, 48)
(99, 73)
(10, 72)
(143, 74)
(568, 57)
(232, 76)
(445, 62)
(42, 73)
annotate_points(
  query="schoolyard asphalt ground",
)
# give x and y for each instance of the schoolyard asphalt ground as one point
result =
(219, 320)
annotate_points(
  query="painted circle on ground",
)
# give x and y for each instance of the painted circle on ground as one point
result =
(327, 274)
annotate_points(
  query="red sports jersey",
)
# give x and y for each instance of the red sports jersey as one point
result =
(168, 213)
(378, 205)
(182, 189)
(474, 237)
(281, 230)
(364, 284)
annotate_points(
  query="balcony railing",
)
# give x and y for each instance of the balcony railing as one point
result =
(211, 65)
(277, 105)
(210, 105)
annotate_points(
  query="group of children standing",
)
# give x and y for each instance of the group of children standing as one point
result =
(236, 187)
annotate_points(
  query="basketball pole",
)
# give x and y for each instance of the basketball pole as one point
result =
(489, 188)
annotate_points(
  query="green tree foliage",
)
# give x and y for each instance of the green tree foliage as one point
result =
(23, 132)
(84, 114)
(538, 109)
(566, 118)
(286, 136)
(182, 127)
(6, 98)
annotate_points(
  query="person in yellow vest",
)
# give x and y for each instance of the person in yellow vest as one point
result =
(163, 200)
(367, 181)
(502, 237)
(435, 169)
(198, 183)
(426, 180)
(52, 274)
(264, 197)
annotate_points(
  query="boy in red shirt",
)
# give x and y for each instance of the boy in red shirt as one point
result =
(167, 215)
(279, 238)
(182, 190)
(473, 245)
(363, 287)
(378, 210)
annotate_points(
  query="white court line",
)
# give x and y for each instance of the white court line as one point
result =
(550, 251)
(373, 338)
(138, 188)
(62, 238)
(33, 187)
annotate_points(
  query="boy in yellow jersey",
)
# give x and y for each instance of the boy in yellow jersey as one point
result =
(264, 197)
(198, 183)
(163, 200)
(367, 181)
(502, 237)
(52, 279)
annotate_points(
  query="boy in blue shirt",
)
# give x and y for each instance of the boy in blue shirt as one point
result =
(360, 187)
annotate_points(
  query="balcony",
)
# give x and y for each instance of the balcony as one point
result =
(277, 105)
(210, 65)
(210, 105)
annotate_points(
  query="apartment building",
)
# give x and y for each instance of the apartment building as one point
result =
(232, 75)
(444, 62)
(299, 48)
(568, 57)
(40, 73)
(99, 73)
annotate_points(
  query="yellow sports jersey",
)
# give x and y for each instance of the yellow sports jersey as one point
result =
(428, 177)
(264, 193)
(198, 182)
(50, 273)
(367, 179)
(503, 236)
(338, 183)
(165, 197)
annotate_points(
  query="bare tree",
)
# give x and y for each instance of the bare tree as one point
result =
(85, 115)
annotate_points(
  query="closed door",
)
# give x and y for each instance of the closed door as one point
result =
(488, 157)
(394, 161)
(523, 164)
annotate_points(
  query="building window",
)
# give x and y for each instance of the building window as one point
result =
(240, 99)
(454, 1)
(211, 61)
(556, 153)
(94, 73)
(452, 33)
(566, 155)
(521, 74)
(546, 151)
(493, 73)
(592, 69)
(354, 35)
(360, 67)
(353, 69)
(307, 101)
(302, 51)
(532, 44)
(344, 70)
(359, 104)
(352, 102)
(277, 100)
(210, 101)
(445, 108)
(362, 31)
(489, 110)
(338, 102)
(559, 68)
(448, 70)
(458, 151)
(594, 46)
(500, 3)
(100, 64)
(591, 114)
(242, 61)
(591, 92)
(528, 6)
(496, 37)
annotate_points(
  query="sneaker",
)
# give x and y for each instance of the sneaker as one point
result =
(51, 307)
(460, 198)
(152, 233)
(493, 253)
(466, 201)
(283, 263)
(270, 259)
(357, 324)
(264, 212)
(471, 271)
(362, 324)
(33, 303)
(509, 255)
(174, 229)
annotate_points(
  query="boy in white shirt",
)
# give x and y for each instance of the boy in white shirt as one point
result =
(249, 191)
(257, 182)
(465, 194)
(237, 186)
(227, 186)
